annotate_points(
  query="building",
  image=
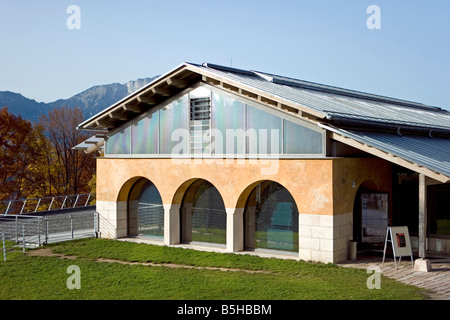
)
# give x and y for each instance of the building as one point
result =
(245, 160)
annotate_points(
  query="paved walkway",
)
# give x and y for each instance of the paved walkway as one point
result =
(437, 280)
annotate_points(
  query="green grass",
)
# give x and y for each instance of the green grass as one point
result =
(38, 277)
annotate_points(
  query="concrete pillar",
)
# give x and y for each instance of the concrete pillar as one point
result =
(171, 224)
(235, 229)
(112, 219)
(122, 219)
(422, 215)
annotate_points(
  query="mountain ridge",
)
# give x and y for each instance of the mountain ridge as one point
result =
(91, 101)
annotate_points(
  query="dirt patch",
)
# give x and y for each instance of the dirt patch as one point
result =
(175, 266)
(46, 252)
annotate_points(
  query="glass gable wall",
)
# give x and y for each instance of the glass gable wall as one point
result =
(235, 129)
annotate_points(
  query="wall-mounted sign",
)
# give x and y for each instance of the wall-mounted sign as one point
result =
(401, 243)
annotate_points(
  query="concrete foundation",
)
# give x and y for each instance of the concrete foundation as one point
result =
(423, 265)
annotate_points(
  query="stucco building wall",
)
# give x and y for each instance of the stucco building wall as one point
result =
(323, 189)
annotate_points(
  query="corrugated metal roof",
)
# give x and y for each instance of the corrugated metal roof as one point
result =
(329, 103)
(429, 152)
(337, 102)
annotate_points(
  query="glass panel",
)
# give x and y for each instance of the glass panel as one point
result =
(228, 117)
(439, 209)
(173, 133)
(119, 143)
(271, 218)
(144, 135)
(150, 212)
(200, 139)
(301, 140)
(264, 132)
(208, 213)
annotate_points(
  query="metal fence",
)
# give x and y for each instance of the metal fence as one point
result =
(28, 206)
(47, 227)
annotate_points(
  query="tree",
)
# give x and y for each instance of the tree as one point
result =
(70, 171)
(17, 153)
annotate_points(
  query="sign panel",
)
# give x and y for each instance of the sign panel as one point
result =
(401, 243)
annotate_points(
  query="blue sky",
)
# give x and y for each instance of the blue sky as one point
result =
(321, 41)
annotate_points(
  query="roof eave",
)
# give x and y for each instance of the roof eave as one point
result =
(118, 109)
(160, 89)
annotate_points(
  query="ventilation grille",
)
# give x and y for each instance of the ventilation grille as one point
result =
(200, 109)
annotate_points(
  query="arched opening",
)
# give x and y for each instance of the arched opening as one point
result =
(203, 214)
(271, 218)
(145, 211)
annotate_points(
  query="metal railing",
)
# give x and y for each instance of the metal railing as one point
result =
(34, 205)
(37, 230)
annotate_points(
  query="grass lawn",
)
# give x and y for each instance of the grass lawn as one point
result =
(196, 275)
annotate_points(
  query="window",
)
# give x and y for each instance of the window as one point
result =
(203, 214)
(119, 143)
(145, 211)
(144, 135)
(263, 132)
(151, 212)
(439, 209)
(299, 139)
(228, 123)
(200, 125)
(173, 127)
(271, 218)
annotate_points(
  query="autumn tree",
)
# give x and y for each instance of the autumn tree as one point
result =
(69, 171)
(17, 153)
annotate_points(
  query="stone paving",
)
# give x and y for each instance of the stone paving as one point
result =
(437, 280)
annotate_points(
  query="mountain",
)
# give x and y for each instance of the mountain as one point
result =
(19, 105)
(90, 101)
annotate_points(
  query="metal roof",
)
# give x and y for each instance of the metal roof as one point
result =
(332, 108)
(327, 103)
(432, 153)
(338, 103)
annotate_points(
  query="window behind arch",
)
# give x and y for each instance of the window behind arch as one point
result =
(150, 212)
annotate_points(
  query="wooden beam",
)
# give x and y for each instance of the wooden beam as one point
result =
(146, 100)
(230, 87)
(210, 81)
(249, 94)
(422, 216)
(119, 116)
(95, 147)
(269, 101)
(177, 82)
(289, 109)
(161, 91)
(104, 122)
(132, 108)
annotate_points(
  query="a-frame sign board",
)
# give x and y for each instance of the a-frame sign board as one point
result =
(401, 244)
